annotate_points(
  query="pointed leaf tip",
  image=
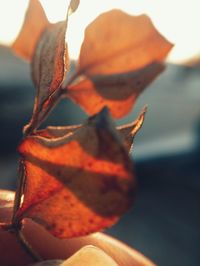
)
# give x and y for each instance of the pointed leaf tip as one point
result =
(101, 119)
(35, 22)
(129, 131)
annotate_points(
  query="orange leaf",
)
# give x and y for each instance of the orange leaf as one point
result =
(31, 30)
(117, 42)
(50, 60)
(48, 69)
(127, 132)
(79, 183)
(118, 91)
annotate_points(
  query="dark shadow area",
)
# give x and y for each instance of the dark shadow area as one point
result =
(164, 224)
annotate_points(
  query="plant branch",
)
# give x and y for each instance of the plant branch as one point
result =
(16, 225)
(27, 247)
(24, 244)
(18, 194)
(51, 102)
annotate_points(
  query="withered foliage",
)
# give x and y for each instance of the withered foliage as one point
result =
(80, 179)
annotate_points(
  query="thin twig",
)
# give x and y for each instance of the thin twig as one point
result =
(18, 193)
(26, 246)
(53, 99)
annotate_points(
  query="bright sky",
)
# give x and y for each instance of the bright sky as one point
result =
(177, 20)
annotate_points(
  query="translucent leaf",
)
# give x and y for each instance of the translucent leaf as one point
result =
(49, 66)
(50, 60)
(118, 92)
(117, 42)
(35, 23)
(120, 56)
(79, 183)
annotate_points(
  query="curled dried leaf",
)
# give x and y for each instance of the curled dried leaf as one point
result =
(49, 65)
(118, 92)
(79, 183)
(127, 132)
(35, 23)
(57, 132)
(117, 42)
(50, 60)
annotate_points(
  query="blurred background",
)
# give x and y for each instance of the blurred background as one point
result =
(164, 223)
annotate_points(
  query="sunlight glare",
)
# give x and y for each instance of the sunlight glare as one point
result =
(11, 19)
(176, 20)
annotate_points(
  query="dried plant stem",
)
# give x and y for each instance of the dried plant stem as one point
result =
(25, 245)
(52, 100)
(18, 194)
(15, 226)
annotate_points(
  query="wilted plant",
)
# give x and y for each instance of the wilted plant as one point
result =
(76, 180)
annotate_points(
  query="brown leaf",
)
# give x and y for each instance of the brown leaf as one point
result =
(35, 23)
(53, 132)
(118, 92)
(117, 42)
(79, 183)
(50, 60)
(49, 66)
(127, 132)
